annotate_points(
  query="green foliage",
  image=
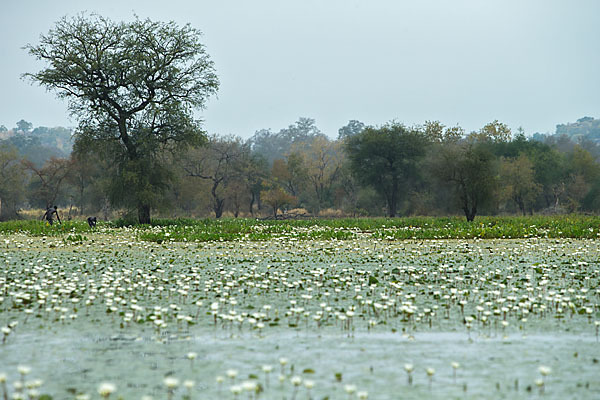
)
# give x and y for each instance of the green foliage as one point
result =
(353, 127)
(139, 182)
(11, 182)
(469, 169)
(42, 228)
(481, 173)
(386, 159)
(241, 229)
(568, 226)
(571, 226)
(493, 132)
(519, 183)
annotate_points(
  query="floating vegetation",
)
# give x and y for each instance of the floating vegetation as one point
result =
(364, 317)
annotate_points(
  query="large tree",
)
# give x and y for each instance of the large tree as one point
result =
(517, 178)
(222, 163)
(133, 87)
(323, 160)
(386, 159)
(469, 169)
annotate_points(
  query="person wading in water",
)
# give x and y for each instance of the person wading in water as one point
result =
(48, 215)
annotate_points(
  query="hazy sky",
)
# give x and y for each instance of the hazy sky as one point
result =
(526, 63)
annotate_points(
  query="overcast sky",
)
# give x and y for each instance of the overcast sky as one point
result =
(529, 63)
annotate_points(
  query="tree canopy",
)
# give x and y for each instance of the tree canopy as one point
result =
(469, 170)
(386, 159)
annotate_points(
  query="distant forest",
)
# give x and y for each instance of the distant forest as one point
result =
(391, 170)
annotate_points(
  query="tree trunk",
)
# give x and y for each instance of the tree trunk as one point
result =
(470, 214)
(258, 201)
(81, 205)
(393, 203)
(252, 198)
(144, 214)
(392, 212)
(521, 203)
(218, 207)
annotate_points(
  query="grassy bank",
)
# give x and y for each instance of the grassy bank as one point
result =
(567, 226)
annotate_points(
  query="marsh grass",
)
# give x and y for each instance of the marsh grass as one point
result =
(569, 226)
(415, 228)
(42, 228)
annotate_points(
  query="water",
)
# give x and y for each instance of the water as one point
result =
(73, 355)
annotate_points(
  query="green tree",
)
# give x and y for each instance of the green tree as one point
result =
(518, 181)
(11, 182)
(436, 132)
(581, 162)
(134, 84)
(352, 128)
(323, 163)
(386, 159)
(495, 132)
(550, 173)
(87, 181)
(255, 171)
(290, 173)
(23, 126)
(584, 176)
(469, 170)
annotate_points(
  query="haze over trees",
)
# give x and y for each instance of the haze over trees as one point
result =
(137, 149)
(387, 170)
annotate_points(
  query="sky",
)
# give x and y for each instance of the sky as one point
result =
(530, 64)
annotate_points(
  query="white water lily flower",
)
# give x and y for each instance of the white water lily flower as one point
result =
(171, 382)
(23, 370)
(106, 389)
(545, 371)
(296, 380)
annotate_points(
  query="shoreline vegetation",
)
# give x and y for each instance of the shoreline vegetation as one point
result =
(407, 228)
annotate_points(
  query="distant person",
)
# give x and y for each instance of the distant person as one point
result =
(92, 221)
(50, 212)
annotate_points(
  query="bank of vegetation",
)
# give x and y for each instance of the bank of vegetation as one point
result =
(245, 229)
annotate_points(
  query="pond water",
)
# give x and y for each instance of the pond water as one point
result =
(346, 315)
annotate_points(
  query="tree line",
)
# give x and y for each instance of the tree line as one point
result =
(137, 149)
(391, 170)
